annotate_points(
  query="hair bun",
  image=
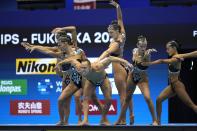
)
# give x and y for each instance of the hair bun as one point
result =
(62, 33)
(63, 37)
(141, 38)
(175, 43)
(114, 22)
(114, 25)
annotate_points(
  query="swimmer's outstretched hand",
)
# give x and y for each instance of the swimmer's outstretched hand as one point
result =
(28, 46)
(149, 51)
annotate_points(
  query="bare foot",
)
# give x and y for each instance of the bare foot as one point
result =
(155, 123)
(61, 123)
(119, 122)
(123, 122)
(131, 119)
(159, 123)
(104, 122)
(79, 121)
(84, 123)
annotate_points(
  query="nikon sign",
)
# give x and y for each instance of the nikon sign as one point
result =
(42, 66)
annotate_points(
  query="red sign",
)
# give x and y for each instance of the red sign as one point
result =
(30, 107)
(94, 110)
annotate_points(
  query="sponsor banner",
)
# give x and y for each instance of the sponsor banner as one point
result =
(94, 110)
(13, 87)
(30, 107)
(33, 66)
(45, 86)
(84, 4)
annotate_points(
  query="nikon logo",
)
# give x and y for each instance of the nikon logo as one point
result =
(35, 66)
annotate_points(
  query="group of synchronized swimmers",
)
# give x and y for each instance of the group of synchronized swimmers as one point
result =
(80, 77)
